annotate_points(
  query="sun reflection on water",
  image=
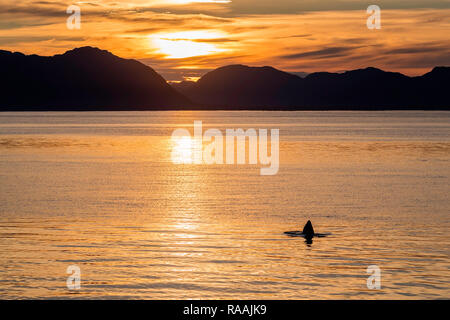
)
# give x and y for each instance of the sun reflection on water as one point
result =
(181, 150)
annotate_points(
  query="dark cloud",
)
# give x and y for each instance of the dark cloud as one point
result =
(44, 11)
(207, 9)
(239, 29)
(415, 49)
(169, 19)
(145, 30)
(18, 16)
(236, 8)
(299, 36)
(20, 23)
(322, 53)
(10, 40)
(242, 7)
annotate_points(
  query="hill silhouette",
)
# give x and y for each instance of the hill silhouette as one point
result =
(82, 78)
(239, 86)
(88, 78)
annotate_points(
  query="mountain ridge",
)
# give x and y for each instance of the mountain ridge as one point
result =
(83, 78)
(89, 78)
(367, 89)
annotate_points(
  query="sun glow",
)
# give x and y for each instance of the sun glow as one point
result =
(182, 150)
(179, 45)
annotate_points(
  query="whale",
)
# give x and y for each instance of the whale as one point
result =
(308, 232)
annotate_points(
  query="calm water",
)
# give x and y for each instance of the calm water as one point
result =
(98, 190)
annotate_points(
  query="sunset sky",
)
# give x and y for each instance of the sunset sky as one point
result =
(183, 39)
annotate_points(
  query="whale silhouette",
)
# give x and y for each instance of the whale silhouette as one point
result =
(307, 233)
(308, 230)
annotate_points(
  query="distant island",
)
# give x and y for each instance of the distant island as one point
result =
(88, 78)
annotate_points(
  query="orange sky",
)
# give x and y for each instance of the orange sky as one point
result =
(182, 39)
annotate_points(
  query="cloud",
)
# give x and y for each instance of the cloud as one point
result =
(410, 41)
(11, 40)
(321, 54)
(46, 10)
(246, 7)
(415, 49)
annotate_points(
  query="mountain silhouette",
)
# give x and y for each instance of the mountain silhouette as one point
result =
(82, 78)
(88, 78)
(238, 86)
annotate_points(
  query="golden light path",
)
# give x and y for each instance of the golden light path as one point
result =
(182, 150)
(185, 44)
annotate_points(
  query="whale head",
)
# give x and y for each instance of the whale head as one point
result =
(308, 230)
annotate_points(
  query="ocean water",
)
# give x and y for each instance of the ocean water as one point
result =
(98, 190)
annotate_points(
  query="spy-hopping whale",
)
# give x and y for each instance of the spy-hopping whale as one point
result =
(308, 230)
(307, 233)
